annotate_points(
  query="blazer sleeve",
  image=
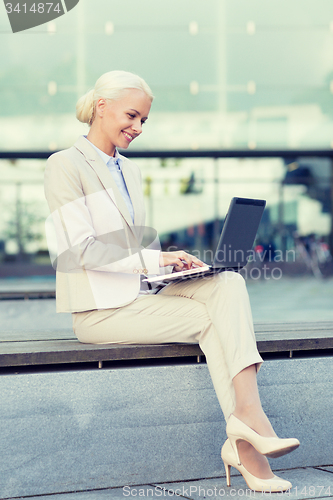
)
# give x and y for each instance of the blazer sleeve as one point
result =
(73, 241)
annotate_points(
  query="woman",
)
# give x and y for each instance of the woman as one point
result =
(96, 201)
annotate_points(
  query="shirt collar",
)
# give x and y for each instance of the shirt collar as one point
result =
(108, 160)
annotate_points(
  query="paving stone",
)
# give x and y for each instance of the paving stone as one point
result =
(307, 483)
(141, 491)
(328, 468)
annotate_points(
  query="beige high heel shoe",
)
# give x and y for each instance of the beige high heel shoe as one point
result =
(270, 446)
(273, 485)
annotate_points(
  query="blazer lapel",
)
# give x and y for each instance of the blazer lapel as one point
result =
(96, 162)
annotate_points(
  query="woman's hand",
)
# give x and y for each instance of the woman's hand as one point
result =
(180, 260)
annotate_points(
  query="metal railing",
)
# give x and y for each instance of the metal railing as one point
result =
(218, 153)
(288, 155)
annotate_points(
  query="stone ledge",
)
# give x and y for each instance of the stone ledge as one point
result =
(19, 348)
(91, 429)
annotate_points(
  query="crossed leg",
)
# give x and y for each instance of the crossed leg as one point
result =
(214, 312)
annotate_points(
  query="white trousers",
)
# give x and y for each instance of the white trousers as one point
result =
(213, 311)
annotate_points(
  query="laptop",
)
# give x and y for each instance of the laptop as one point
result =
(235, 244)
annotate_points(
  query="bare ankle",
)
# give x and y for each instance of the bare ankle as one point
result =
(255, 418)
(248, 411)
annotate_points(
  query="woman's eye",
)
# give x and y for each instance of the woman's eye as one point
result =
(132, 116)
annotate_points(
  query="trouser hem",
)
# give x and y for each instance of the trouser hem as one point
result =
(245, 362)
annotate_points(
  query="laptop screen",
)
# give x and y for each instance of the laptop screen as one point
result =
(238, 233)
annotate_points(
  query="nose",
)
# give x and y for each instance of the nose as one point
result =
(137, 126)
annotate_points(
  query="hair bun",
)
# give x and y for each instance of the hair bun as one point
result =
(85, 107)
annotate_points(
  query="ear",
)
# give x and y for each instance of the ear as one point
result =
(100, 107)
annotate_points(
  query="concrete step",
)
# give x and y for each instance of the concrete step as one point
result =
(66, 431)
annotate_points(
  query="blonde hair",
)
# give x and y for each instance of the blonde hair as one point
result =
(109, 86)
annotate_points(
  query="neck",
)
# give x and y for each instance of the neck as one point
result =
(98, 139)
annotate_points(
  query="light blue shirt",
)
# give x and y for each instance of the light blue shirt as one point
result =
(114, 164)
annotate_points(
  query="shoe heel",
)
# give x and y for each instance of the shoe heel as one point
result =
(233, 442)
(227, 472)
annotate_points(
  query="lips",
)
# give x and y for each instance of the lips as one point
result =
(128, 137)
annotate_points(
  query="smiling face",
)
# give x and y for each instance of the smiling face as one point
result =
(118, 123)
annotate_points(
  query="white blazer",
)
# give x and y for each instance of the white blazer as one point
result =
(99, 255)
